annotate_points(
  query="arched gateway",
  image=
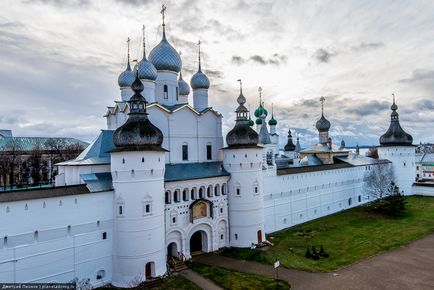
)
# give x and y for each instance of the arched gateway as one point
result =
(198, 242)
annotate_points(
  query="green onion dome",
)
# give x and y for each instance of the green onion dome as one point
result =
(272, 121)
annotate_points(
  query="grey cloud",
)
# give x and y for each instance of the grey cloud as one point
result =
(368, 108)
(275, 59)
(419, 75)
(60, 3)
(259, 59)
(363, 46)
(136, 2)
(214, 73)
(238, 60)
(323, 55)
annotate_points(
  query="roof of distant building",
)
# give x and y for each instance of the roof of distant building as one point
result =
(97, 152)
(30, 143)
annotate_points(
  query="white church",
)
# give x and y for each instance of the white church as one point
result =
(159, 184)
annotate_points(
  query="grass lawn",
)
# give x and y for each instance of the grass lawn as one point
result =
(347, 236)
(176, 282)
(234, 280)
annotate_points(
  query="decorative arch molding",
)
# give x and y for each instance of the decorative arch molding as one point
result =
(175, 236)
(207, 229)
(195, 208)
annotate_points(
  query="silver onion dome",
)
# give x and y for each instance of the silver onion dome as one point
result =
(199, 81)
(126, 78)
(165, 57)
(146, 70)
(184, 88)
(323, 125)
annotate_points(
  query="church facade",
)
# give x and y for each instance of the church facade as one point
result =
(159, 183)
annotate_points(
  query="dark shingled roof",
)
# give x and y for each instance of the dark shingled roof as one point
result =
(25, 194)
(187, 171)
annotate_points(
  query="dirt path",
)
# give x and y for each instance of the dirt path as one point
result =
(199, 280)
(407, 267)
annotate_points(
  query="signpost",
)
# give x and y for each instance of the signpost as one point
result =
(276, 266)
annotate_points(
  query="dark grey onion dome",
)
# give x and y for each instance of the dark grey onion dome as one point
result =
(126, 78)
(242, 135)
(184, 88)
(395, 135)
(323, 125)
(146, 70)
(164, 57)
(138, 133)
(289, 145)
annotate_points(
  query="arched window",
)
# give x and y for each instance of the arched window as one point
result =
(185, 195)
(166, 94)
(192, 194)
(167, 197)
(224, 189)
(217, 190)
(176, 197)
(209, 191)
(177, 94)
(201, 192)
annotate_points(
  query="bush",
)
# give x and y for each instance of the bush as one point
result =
(393, 204)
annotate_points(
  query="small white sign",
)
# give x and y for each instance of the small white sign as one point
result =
(276, 264)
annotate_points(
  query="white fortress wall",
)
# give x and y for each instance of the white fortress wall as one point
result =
(57, 239)
(297, 198)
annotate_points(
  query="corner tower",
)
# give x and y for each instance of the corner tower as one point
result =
(243, 160)
(137, 168)
(397, 146)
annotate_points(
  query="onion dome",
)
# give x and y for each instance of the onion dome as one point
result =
(147, 70)
(251, 123)
(199, 80)
(260, 110)
(323, 125)
(395, 135)
(258, 121)
(272, 121)
(164, 57)
(138, 133)
(184, 88)
(126, 78)
(289, 145)
(242, 135)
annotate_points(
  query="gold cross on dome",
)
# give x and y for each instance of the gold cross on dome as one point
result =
(163, 10)
(322, 99)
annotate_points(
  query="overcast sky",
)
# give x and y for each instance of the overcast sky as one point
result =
(59, 61)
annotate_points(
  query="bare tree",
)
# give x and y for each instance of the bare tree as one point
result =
(71, 151)
(13, 149)
(377, 181)
(35, 160)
